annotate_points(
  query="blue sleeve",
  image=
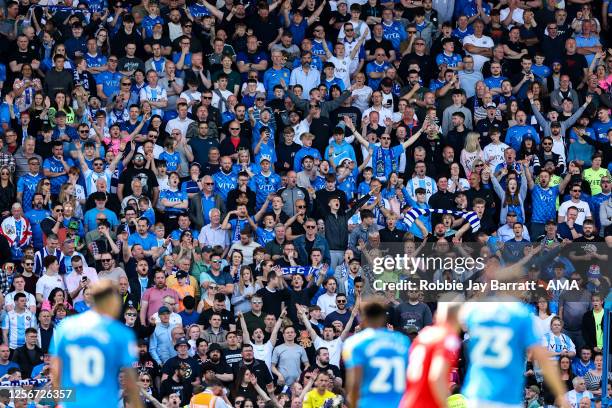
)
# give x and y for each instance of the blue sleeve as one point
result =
(20, 183)
(5, 115)
(530, 332)
(352, 355)
(369, 68)
(126, 342)
(398, 150)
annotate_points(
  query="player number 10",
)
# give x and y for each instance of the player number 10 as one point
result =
(87, 365)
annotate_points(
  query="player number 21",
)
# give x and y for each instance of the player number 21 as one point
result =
(87, 365)
(388, 367)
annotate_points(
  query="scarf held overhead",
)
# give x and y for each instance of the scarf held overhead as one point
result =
(469, 216)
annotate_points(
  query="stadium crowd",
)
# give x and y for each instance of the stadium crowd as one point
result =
(236, 167)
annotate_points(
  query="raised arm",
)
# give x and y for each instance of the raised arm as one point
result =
(349, 324)
(315, 16)
(357, 47)
(349, 124)
(304, 315)
(214, 11)
(246, 337)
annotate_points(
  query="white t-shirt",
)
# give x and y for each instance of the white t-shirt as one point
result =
(342, 69)
(327, 303)
(485, 42)
(517, 15)
(216, 99)
(179, 124)
(47, 283)
(583, 210)
(362, 98)
(494, 153)
(9, 299)
(263, 352)
(334, 347)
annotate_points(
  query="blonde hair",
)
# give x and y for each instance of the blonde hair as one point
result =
(471, 142)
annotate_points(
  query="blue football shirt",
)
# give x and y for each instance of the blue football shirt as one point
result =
(92, 349)
(383, 356)
(499, 336)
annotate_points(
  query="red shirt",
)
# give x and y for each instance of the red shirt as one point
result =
(433, 340)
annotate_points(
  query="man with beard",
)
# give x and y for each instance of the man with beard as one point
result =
(412, 313)
(222, 370)
(257, 367)
(182, 359)
(225, 180)
(153, 297)
(178, 383)
(327, 338)
(138, 285)
(589, 256)
(146, 177)
(146, 363)
(323, 366)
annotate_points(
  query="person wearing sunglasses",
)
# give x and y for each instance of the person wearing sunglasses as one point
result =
(584, 211)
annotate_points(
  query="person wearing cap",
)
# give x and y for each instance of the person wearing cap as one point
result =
(307, 140)
(506, 232)
(182, 287)
(89, 219)
(160, 342)
(181, 359)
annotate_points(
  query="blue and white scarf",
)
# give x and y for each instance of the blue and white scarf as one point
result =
(469, 216)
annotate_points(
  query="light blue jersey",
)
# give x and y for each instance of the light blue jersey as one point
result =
(383, 357)
(499, 336)
(92, 349)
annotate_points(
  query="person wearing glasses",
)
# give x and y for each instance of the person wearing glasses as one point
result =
(575, 202)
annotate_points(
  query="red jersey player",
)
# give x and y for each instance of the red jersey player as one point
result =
(432, 356)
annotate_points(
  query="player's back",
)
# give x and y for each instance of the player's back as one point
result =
(499, 336)
(383, 356)
(92, 350)
(431, 340)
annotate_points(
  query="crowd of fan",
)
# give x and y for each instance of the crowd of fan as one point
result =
(235, 167)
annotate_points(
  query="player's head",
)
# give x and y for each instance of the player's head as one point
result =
(106, 298)
(374, 314)
(448, 309)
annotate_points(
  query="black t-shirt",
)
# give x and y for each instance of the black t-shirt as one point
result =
(146, 177)
(184, 389)
(22, 57)
(173, 363)
(232, 357)
(372, 45)
(147, 365)
(227, 318)
(574, 65)
(130, 64)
